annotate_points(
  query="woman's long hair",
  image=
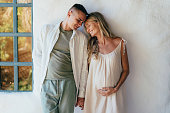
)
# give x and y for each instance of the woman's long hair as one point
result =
(104, 30)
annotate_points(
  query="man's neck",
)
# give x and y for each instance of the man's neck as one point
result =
(64, 25)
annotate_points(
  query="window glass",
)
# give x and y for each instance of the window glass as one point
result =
(6, 1)
(6, 78)
(25, 78)
(24, 1)
(24, 19)
(6, 49)
(6, 19)
(25, 49)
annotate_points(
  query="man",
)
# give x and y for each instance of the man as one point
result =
(60, 57)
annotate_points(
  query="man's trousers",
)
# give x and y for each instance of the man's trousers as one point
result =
(58, 96)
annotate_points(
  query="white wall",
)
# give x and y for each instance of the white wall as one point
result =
(145, 24)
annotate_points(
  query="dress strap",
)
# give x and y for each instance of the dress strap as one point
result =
(124, 45)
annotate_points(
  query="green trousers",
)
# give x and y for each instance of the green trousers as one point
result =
(58, 96)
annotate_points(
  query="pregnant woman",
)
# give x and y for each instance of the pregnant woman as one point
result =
(108, 67)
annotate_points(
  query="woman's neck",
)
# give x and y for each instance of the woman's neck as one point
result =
(101, 40)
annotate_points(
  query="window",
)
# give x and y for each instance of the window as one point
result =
(16, 45)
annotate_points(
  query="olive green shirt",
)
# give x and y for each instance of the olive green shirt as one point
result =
(60, 65)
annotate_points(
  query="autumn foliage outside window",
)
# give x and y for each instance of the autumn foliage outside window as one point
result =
(16, 45)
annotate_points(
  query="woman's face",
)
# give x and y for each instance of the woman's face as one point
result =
(92, 27)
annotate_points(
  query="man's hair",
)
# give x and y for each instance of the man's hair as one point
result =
(80, 7)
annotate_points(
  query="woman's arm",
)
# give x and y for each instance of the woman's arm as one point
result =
(125, 66)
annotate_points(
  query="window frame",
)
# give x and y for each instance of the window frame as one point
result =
(15, 34)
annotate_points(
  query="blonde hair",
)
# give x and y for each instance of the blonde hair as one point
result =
(104, 30)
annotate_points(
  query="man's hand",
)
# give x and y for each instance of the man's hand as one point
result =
(80, 102)
(106, 91)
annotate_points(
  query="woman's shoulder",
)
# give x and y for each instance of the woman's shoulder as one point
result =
(116, 40)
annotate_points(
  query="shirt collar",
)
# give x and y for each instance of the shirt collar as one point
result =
(74, 31)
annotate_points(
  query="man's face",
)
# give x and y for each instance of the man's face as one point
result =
(76, 18)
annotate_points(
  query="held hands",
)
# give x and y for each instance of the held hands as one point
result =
(106, 91)
(80, 102)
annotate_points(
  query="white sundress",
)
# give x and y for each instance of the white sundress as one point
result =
(104, 72)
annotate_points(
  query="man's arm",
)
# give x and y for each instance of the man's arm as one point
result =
(37, 49)
(84, 71)
(83, 77)
(37, 58)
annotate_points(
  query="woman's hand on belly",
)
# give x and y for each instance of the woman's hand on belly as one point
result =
(106, 91)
